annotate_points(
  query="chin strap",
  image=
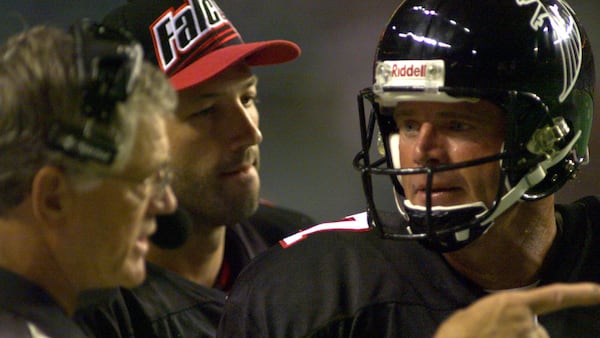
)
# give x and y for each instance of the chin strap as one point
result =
(528, 181)
(462, 237)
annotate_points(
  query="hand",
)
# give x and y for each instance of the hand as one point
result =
(514, 313)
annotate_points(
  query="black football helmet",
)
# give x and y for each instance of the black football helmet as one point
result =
(531, 58)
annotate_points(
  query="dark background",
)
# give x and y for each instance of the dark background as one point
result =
(308, 107)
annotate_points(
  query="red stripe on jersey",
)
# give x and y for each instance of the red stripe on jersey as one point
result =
(354, 223)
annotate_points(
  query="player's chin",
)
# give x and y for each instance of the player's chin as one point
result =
(134, 273)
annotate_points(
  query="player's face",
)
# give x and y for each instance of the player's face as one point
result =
(433, 133)
(214, 143)
(113, 221)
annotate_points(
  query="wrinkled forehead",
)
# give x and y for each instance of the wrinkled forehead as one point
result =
(466, 106)
(236, 77)
(421, 105)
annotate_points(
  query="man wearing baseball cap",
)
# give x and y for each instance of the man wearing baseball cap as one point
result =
(215, 157)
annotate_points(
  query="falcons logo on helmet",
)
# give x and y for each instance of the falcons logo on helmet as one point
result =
(567, 36)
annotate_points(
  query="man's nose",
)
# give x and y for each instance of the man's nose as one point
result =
(164, 203)
(243, 126)
(429, 148)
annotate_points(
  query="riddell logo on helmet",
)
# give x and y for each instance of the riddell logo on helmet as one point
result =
(409, 73)
(411, 70)
(195, 28)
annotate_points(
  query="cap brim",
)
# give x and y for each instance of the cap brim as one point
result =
(254, 53)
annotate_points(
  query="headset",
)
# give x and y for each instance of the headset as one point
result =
(108, 65)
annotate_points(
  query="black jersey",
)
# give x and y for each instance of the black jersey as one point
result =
(26, 310)
(342, 280)
(168, 305)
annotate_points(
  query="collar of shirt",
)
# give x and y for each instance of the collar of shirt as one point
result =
(25, 299)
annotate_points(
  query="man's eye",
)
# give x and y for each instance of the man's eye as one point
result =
(203, 112)
(459, 126)
(249, 100)
(408, 126)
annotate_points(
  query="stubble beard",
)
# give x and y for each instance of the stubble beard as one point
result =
(211, 203)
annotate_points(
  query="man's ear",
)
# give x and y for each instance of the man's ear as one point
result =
(50, 195)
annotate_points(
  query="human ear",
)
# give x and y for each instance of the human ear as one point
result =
(49, 195)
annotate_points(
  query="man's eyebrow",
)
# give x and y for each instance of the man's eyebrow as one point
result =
(479, 115)
(252, 81)
(475, 115)
(403, 112)
(247, 83)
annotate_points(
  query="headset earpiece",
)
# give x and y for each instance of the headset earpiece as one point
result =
(108, 64)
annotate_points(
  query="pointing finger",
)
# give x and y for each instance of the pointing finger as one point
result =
(561, 296)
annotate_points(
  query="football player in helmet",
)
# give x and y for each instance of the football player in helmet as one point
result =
(536, 74)
(480, 110)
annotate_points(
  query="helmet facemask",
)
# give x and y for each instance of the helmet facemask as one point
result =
(539, 70)
(450, 227)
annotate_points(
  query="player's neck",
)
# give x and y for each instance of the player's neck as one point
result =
(198, 260)
(511, 253)
(25, 253)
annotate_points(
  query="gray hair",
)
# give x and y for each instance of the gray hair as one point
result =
(38, 85)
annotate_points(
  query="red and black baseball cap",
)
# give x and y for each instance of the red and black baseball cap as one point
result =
(192, 40)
